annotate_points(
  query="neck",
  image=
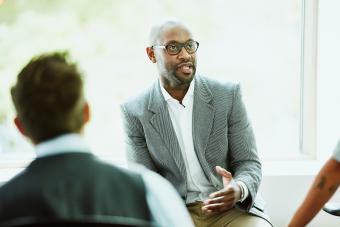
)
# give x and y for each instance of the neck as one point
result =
(177, 92)
(35, 142)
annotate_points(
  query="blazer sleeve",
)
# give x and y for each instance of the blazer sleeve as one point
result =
(243, 159)
(135, 143)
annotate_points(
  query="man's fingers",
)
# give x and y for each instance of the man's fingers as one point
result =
(226, 176)
(212, 207)
(216, 207)
(223, 199)
(214, 200)
(218, 200)
(223, 192)
(223, 172)
(217, 194)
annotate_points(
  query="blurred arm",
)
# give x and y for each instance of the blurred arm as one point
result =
(166, 206)
(325, 184)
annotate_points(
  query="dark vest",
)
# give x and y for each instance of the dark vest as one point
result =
(72, 186)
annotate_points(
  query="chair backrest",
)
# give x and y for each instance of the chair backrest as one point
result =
(81, 222)
(332, 208)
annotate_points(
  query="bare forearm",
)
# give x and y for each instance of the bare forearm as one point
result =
(316, 198)
(324, 186)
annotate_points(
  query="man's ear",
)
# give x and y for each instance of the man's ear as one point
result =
(151, 54)
(86, 113)
(19, 125)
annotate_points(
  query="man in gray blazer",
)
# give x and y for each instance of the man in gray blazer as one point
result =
(195, 132)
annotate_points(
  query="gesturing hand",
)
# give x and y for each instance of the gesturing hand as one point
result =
(226, 198)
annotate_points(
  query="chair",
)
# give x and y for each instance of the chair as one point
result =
(332, 208)
(81, 222)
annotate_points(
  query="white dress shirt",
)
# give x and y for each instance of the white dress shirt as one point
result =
(161, 197)
(199, 187)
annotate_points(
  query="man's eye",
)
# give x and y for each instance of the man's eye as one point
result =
(172, 47)
(191, 45)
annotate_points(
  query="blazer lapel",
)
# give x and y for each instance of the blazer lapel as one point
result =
(161, 122)
(203, 116)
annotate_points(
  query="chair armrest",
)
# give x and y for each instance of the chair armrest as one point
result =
(332, 208)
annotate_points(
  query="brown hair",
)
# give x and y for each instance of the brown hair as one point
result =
(48, 97)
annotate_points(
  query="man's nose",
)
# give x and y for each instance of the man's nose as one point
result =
(183, 54)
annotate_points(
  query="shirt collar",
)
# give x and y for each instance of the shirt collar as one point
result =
(65, 143)
(168, 97)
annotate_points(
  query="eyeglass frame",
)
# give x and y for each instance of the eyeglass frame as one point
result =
(181, 47)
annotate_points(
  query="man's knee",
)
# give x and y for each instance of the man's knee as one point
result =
(247, 220)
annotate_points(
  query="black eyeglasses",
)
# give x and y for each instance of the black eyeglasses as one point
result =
(174, 48)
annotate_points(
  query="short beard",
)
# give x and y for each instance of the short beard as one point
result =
(176, 81)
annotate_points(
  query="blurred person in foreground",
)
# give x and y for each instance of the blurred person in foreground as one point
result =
(66, 181)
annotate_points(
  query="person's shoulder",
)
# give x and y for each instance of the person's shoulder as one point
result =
(114, 168)
(7, 188)
(113, 174)
(153, 181)
(163, 199)
(218, 85)
(147, 174)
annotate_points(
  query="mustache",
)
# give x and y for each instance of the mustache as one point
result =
(187, 63)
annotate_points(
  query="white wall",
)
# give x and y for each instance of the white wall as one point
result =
(283, 194)
(328, 75)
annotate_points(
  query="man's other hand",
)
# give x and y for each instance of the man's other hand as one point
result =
(226, 198)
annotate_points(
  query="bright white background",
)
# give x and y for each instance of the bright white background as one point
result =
(257, 43)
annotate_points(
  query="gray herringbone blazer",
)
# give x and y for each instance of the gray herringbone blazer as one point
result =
(222, 136)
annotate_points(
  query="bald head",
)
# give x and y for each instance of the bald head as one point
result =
(157, 31)
(173, 49)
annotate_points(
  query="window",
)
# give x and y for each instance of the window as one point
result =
(328, 80)
(267, 46)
